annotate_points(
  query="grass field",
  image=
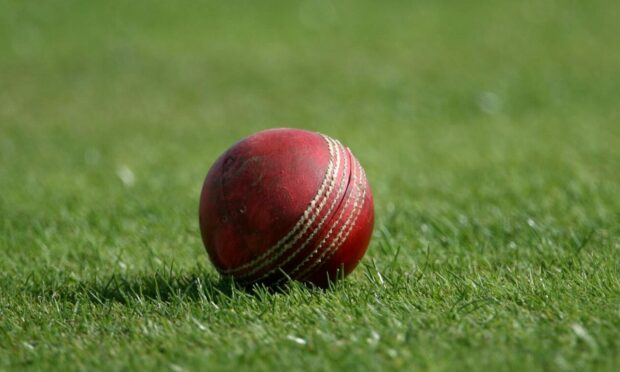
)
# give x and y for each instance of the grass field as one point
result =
(490, 132)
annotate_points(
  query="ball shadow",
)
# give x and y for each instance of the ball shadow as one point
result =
(127, 288)
(164, 285)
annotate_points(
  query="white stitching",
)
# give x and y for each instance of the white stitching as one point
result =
(304, 223)
(333, 227)
(357, 209)
(341, 190)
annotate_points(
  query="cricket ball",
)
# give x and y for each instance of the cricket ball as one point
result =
(286, 204)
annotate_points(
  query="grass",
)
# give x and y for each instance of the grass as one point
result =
(489, 131)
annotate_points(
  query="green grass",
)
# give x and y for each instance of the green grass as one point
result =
(490, 132)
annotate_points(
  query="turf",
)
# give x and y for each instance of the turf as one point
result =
(490, 132)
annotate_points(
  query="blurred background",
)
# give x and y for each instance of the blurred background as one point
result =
(489, 129)
(111, 113)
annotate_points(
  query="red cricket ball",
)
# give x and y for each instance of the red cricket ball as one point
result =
(286, 203)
